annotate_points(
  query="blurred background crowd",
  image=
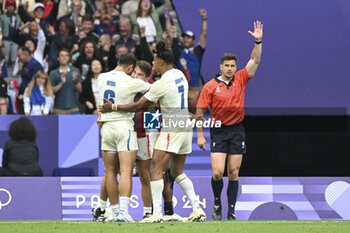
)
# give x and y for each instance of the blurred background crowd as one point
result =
(52, 51)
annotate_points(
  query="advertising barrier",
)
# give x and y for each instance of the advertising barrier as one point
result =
(259, 198)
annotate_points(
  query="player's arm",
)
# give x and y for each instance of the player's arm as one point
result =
(132, 107)
(256, 53)
(200, 136)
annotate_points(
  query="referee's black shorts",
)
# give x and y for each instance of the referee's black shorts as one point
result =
(228, 139)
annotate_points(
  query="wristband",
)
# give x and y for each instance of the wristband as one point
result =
(258, 42)
(204, 19)
(75, 82)
(115, 107)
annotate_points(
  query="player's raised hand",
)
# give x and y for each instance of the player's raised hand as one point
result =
(201, 143)
(258, 31)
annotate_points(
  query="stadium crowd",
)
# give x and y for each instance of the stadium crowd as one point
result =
(53, 51)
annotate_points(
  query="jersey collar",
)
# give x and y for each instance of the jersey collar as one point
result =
(220, 81)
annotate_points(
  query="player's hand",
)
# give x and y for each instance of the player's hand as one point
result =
(201, 143)
(106, 107)
(258, 31)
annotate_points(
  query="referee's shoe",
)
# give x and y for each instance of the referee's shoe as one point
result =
(217, 215)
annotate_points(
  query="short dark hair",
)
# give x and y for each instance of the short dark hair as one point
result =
(22, 129)
(62, 50)
(127, 60)
(145, 67)
(70, 25)
(35, 44)
(26, 50)
(164, 53)
(228, 57)
(87, 17)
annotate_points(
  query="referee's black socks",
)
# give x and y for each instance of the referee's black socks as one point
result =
(217, 186)
(232, 191)
(168, 208)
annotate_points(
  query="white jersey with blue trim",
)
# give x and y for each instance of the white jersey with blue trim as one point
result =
(172, 92)
(119, 88)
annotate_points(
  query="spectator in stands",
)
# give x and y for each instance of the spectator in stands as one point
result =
(173, 42)
(18, 64)
(35, 40)
(87, 33)
(3, 65)
(30, 67)
(21, 154)
(3, 106)
(13, 101)
(64, 39)
(105, 23)
(9, 23)
(89, 96)
(66, 82)
(149, 18)
(117, 52)
(76, 11)
(88, 52)
(3, 86)
(39, 15)
(107, 51)
(77, 7)
(193, 55)
(126, 36)
(143, 51)
(129, 7)
(38, 96)
(110, 5)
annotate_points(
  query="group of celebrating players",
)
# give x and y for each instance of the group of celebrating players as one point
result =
(160, 156)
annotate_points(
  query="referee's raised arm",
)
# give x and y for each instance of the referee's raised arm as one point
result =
(252, 64)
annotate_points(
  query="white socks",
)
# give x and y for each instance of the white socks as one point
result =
(157, 189)
(115, 209)
(102, 204)
(147, 210)
(124, 204)
(187, 187)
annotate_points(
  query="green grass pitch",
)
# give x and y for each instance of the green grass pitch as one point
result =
(176, 227)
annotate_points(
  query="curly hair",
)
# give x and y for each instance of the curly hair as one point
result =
(22, 129)
(164, 53)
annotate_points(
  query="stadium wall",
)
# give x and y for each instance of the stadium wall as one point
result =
(305, 59)
(259, 198)
(276, 146)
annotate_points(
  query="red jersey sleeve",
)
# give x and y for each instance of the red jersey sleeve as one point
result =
(204, 100)
(244, 76)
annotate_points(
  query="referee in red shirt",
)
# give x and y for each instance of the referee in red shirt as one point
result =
(225, 97)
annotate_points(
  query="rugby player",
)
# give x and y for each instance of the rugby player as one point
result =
(118, 139)
(175, 142)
